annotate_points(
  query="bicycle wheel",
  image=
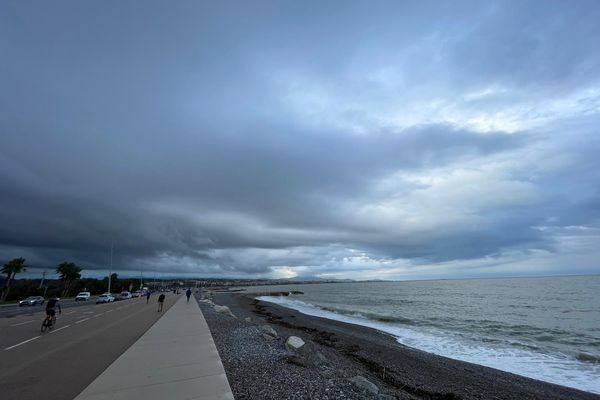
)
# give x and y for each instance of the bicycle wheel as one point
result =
(44, 325)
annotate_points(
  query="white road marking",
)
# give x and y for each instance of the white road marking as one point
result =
(23, 342)
(23, 323)
(70, 312)
(60, 329)
(81, 320)
(97, 315)
(88, 312)
(110, 311)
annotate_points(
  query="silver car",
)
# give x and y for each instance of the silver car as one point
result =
(32, 301)
(125, 295)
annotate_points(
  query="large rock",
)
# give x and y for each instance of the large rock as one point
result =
(299, 361)
(294, 343)
(268, 331)
(363, 383)
(319, 359)
(223, 310)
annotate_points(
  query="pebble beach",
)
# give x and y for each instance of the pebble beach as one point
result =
(271, 352)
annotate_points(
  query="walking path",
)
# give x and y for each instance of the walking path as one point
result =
(175, 359)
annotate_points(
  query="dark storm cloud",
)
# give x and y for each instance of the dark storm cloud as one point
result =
(284, 180)
(236, 138)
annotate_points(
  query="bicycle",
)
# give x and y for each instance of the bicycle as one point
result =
(48, 323)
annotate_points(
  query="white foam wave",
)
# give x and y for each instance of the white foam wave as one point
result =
(554, 368)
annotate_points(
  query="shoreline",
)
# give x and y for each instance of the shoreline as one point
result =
(343, 352)
(521, 361)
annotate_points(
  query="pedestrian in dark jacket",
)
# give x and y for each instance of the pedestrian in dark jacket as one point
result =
(161, 300)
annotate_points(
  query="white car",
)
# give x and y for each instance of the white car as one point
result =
(83, 296)
(105, 298)
(124, 295)
(137, 293)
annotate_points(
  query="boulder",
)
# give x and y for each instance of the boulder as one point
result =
(294, 343)
(320, 359)
(299, 361)
(268, 331)
(362, 383)
(223, 310)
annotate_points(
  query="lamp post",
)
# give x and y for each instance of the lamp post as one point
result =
(110, 271)
(42, 281)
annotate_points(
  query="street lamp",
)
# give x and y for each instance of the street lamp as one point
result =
(111, 259)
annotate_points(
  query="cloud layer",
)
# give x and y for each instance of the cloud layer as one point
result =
(411, 140)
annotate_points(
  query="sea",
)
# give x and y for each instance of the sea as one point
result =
(546, 328)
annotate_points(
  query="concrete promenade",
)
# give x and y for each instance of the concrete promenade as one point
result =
(175, 359)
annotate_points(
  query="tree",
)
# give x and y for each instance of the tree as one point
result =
(11, 268)
(69, 273)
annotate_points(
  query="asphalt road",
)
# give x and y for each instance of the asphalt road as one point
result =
(14, 309)
(58, 365)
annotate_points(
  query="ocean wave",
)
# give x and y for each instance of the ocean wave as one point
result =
(370, 316)
(589, 358)
(388, 318)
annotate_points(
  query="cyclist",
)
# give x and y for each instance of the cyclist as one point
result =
(53, 303)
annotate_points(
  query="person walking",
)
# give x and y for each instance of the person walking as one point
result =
(188, 293)
(147, 296)
(161, 300)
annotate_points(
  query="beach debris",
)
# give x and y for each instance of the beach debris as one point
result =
(268, 332)
(294, 343)
(223, 310)
(363, 383)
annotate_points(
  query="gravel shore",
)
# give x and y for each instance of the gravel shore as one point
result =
(345, 361)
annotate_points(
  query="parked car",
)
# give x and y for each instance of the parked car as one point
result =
(137, 293)
(83, 296)
(32, 301)
(105, 298)
(124, 295)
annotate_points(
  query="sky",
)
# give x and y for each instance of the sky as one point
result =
(337, 139)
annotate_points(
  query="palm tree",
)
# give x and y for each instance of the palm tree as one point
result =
(69, 272)
(11, 268)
